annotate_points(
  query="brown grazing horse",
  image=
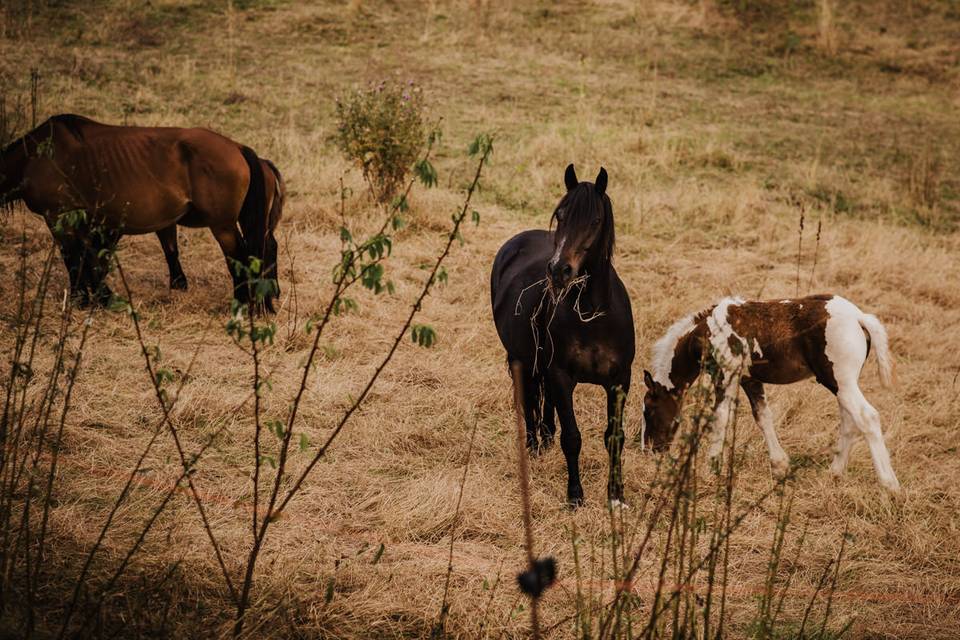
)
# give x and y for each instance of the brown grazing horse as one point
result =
(749, 344)
(564, 317)
(93, 183)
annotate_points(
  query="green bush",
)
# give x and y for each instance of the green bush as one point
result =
(380, 129)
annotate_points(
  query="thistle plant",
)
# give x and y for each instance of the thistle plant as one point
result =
(381, 129)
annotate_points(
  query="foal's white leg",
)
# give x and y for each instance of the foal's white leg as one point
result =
(848, 435)
(846, 348)
(721, 418)
(867, 420)
(779, 460)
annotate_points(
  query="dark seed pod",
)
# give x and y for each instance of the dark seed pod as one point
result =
(536, 580)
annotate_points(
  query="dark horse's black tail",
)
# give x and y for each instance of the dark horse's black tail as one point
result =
(253, 215)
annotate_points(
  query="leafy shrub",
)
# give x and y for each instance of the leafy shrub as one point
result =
(380, 129)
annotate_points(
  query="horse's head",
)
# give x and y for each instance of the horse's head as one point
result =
(584, 236)
(660, 409)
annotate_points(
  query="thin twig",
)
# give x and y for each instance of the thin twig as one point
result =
(184, 462)
(444, 607)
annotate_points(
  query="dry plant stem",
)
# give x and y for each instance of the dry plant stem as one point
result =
(255, 355)
(816, 251)
(184, 462)
(158, 510)
(14, 407)
(453, 528)
(836, 577)
(51, 476)
(713, 549)
(493, 592)
(274, 510)
(125, 491)
(340, 285)
(523, 474)
(799, 248)
(35, 446)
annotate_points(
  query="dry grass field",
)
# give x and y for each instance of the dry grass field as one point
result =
(720, 123)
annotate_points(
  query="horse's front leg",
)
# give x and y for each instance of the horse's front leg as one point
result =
(779, 461)
(560, 390)
(726, 395)
(100, 247)
(613, 439)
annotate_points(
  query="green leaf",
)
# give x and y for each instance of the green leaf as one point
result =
(426, 172)
(378, 554)
(304, 442)
(423, 335)
(328, 594)
(476, 217)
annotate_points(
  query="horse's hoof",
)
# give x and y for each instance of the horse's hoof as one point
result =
(780, 468)
(179, 284)
(617, 504)
(893, 487)
(546, 441)
(575, 497)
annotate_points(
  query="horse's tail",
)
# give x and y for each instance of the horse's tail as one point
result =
(253, 211)
(273, 218)
(878, 337)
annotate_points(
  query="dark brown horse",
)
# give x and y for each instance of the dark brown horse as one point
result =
(93, 183)
(564, 316)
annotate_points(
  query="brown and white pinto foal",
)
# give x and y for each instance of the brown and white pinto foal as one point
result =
(772, 342)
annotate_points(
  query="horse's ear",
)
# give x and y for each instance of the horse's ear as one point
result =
(570, 178)
(648, 380)
(601, 182)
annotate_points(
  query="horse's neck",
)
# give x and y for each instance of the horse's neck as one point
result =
(12, 161)
(687, 360)
(598, 286)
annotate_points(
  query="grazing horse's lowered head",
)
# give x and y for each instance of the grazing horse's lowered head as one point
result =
(584, 236)
(555, 341)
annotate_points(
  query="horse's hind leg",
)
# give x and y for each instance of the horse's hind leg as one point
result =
(846, 351)
(548, 426)
(234, 250)
(779, 460)
(848, 435)
(867, 420)
(168, 241)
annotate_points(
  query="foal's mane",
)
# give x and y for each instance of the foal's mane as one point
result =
(664, 348)
(581, 204)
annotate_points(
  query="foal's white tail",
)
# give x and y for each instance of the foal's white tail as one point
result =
(878, 338)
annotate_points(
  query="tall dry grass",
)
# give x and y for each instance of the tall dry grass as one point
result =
(707, 156)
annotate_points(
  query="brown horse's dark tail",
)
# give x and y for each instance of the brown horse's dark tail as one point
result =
(253, 216)
(276, 212)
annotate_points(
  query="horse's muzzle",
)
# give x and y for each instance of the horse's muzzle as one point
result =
(560, 274)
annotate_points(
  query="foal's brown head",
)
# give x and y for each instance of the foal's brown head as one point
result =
(584, 237)
(661, 407)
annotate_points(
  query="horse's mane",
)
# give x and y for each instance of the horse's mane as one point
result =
(663, 350)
